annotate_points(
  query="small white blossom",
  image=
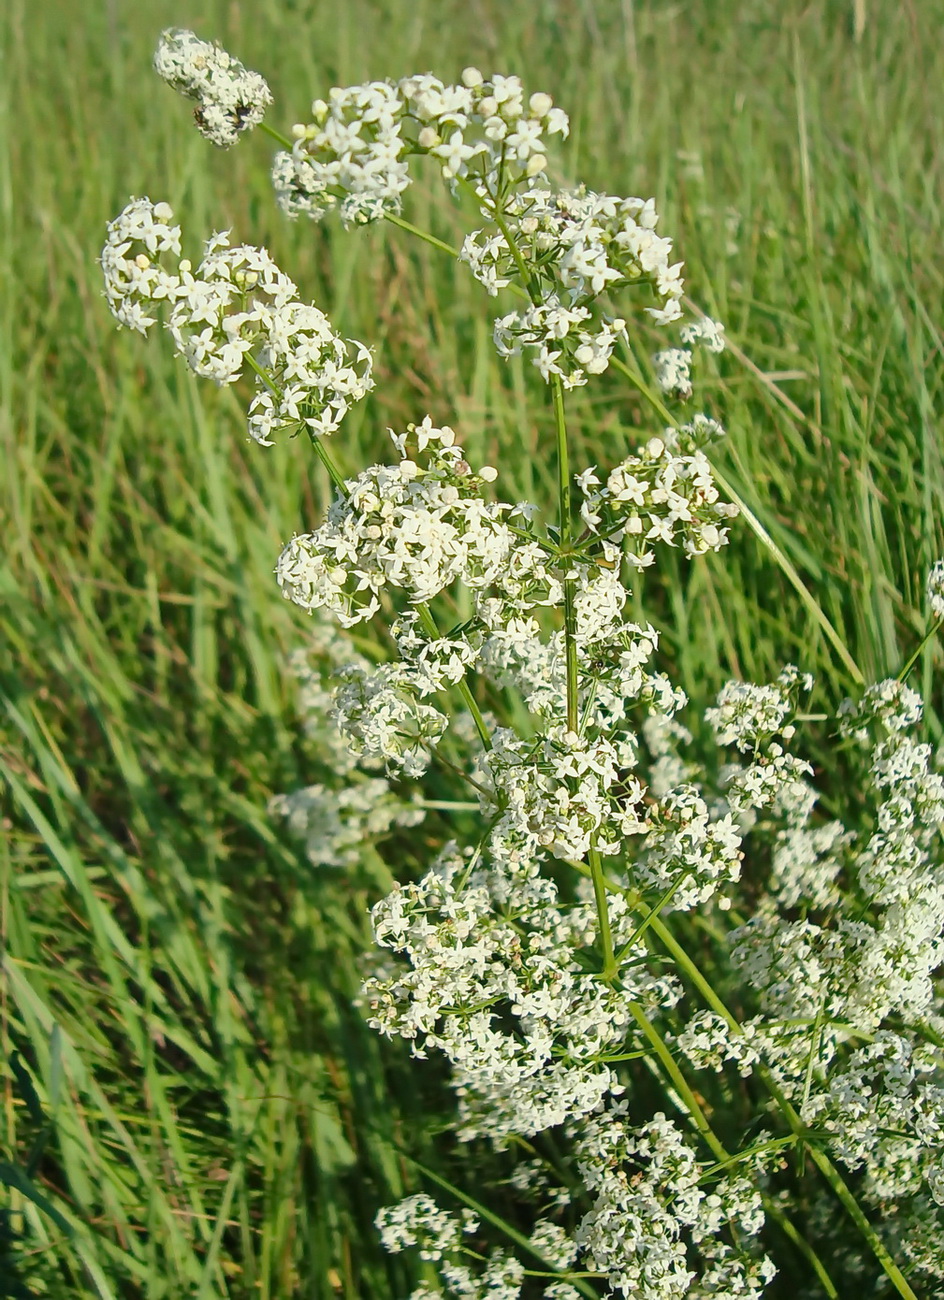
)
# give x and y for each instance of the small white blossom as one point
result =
(705, 332)
(935, 589)
(673, 372)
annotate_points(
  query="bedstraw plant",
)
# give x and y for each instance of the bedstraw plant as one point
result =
(668, 1126)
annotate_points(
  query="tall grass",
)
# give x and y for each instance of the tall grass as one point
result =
(192, 1105)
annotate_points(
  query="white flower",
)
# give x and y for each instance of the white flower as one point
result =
(238, 304)
(584, 243)
(417, 529)
(935, 589)
(706, 332)
(673, 372)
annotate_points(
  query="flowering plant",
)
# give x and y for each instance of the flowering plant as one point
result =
(657, 1116)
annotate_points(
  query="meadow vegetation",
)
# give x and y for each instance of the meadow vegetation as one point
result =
(192, 1101)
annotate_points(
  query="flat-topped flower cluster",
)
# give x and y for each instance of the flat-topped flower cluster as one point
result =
(354, 155)
(538, 948)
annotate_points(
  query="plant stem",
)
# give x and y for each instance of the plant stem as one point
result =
(566, 540)
(819, 1157)
(481, 726)
(685, 1093)
(717, 1147)
(337, 478)
(277, 136)
(935, 627)
(420, 234)
(610, 964)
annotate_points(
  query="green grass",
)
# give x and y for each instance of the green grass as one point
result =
(177, 980)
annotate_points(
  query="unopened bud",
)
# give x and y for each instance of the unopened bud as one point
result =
(536, 163)
(471, 77)
(540, 104)
(489, 473)
(429, 137)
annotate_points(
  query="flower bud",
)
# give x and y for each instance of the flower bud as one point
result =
(536, 163)
(540, 104)
(471, 77)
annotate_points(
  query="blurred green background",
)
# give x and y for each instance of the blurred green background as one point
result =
(191, 1104)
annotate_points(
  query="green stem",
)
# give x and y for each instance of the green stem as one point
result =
(481, 726)
(421, 234)
(489, 1216)
(610, 964)
(685, 1093)
(717, 1147)
(822, 1161)
(651, 915)
(337, 478)
(566, 539)
(522, 266)
(279, 138)
(792, 1233)
(935, 627)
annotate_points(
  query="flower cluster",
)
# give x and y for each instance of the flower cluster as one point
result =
(353, 155)
(663, 492)
(745, 714)
(416, 528)
(237, 306)
(652, 1214)
(499, 991)
(229, 98)
(335, 824)
(569, 247)
(673, 366)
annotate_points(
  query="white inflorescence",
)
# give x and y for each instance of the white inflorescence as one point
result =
(353, 155)
(574, 246)
(229, 98)
(237, 309)
(663, 493)
(416, 528)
